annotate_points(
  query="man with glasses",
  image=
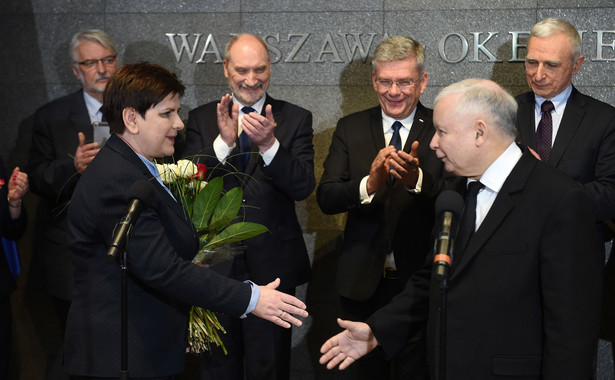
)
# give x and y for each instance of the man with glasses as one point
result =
(62, 148)
(381, 171)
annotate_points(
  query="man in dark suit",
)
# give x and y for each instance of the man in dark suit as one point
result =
(523, 297)
(271, 157)
(62, 147)
(581, 142)
(386, 190)
(582, 138)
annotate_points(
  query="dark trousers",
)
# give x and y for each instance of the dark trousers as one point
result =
(5, 336)
(409, 364)
(257, 348)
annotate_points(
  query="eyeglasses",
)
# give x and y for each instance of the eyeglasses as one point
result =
(386, 84)
(91, 63)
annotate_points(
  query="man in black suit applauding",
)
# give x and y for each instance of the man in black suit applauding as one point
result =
(381, 171)
(267, 145)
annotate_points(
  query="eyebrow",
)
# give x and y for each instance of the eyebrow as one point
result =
(550, 61)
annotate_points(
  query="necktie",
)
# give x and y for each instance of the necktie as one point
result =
(245, 144)
(468, 218)
(103, 118)
(396, 138)
(544, 132)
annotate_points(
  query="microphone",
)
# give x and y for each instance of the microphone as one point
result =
(449, 204)
(140, 195)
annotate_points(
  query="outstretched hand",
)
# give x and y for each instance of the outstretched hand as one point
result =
(345, 348)
(279, 308)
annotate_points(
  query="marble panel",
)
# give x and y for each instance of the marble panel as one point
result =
(171, 7)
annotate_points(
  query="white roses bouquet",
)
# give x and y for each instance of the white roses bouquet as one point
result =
(215, 215)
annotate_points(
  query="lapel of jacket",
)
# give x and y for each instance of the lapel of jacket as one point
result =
(375, 127)
(418, 126)
(80, 117)
(571, 121)
(129, 155)
(526, 119)
(498, 212)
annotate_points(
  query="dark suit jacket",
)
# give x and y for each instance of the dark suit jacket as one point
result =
(11, 229)
(395, 216)
(53, 176)
(270, 191)
(524, 299)
(162, 280)
(584, 147)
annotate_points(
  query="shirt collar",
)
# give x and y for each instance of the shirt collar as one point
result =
(388, 121)
(93, 106)
(493, 178)
(559, 101)
(258, 106)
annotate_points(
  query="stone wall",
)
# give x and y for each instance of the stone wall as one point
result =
(321, 52)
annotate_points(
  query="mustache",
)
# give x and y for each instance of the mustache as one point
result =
(103, 76)
(256, 86)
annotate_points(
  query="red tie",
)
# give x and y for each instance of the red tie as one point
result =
(544, 133)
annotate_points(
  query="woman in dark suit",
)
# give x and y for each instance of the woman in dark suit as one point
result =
(12, 227)
(141, 104)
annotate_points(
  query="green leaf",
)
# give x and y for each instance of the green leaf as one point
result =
(236, 232)
(205, 203)
(227, 208)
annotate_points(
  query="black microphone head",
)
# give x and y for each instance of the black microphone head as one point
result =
(449, 200)
(143, 191)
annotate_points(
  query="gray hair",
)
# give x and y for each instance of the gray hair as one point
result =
(485, 97)
(551, 26)
(397, 48)
(94, 35)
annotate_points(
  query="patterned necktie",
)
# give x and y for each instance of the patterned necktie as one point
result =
(245, 144)
(396, 138)
(544, 133)
(467, 223)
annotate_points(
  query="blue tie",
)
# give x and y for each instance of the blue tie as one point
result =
(103, 118)
(245, 144)
(396, 138)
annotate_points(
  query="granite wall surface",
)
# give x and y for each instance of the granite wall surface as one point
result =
(321, 51)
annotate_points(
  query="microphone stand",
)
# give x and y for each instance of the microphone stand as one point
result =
(124, 374)
(442, 262)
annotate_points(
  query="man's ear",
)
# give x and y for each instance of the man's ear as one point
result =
(129, 115)
(481, 131)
